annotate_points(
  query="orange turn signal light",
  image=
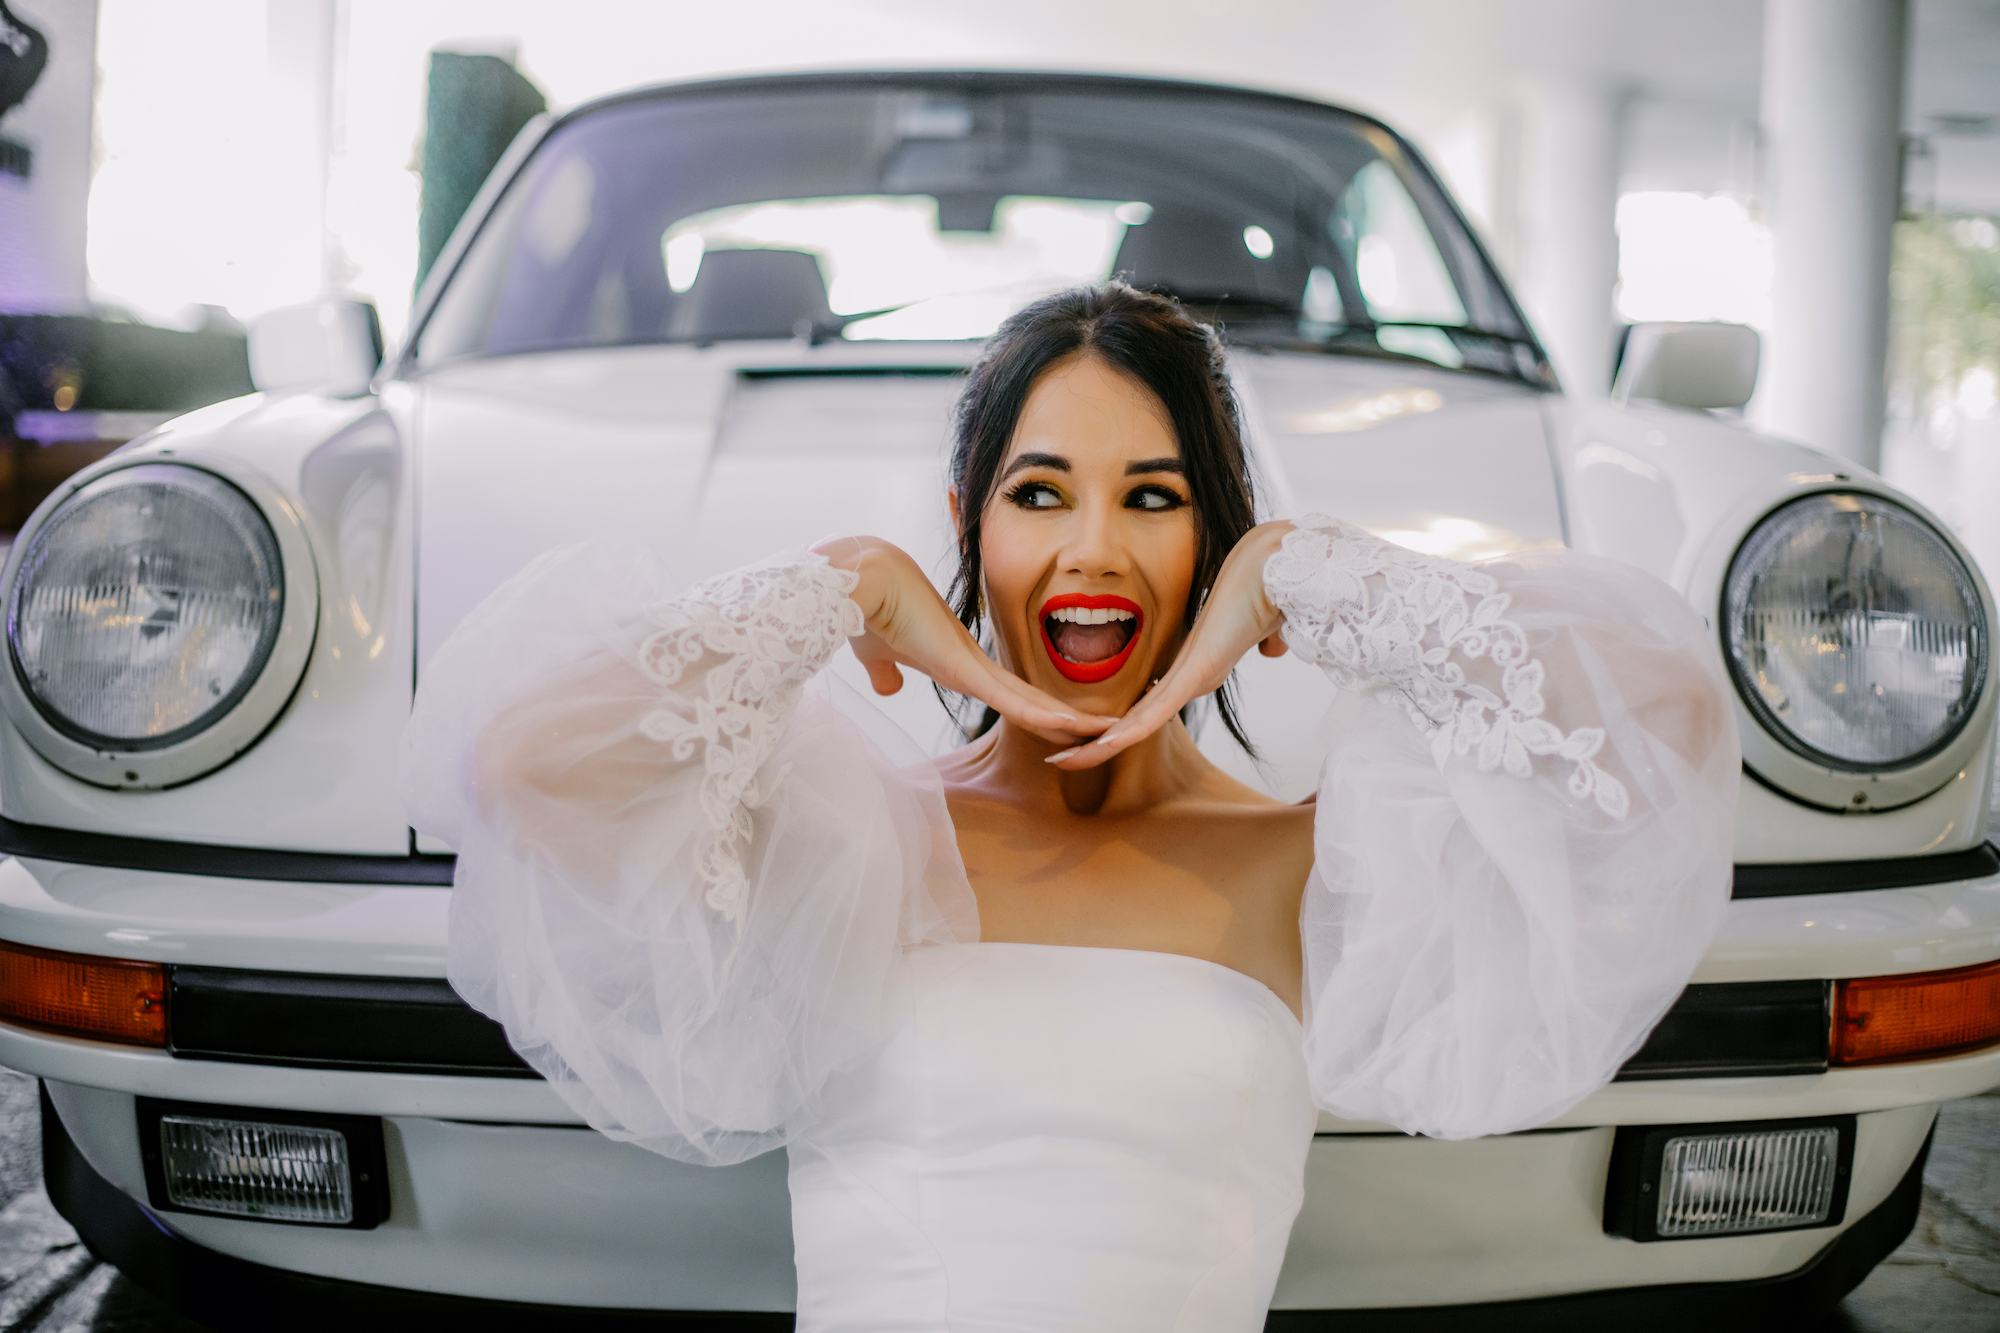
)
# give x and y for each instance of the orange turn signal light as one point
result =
(111, 999)
(1918, 1016)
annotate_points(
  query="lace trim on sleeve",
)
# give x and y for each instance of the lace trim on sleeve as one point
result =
(1401, 635)
(773, 625)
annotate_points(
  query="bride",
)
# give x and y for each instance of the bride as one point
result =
(1045, 1025)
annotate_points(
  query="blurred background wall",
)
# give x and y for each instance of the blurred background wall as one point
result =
(197, 163)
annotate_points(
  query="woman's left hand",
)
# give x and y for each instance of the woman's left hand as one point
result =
(1236, 617)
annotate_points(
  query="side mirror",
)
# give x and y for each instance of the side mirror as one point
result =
(333, 346)
(1689, 365)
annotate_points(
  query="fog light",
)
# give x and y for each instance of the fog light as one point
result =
(1684, 1182)
(283, 1173)
(1721, 1184)
(111, 999)
(269, 1166)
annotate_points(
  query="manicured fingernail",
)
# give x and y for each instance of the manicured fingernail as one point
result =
(1105, 739)
(1064, 754)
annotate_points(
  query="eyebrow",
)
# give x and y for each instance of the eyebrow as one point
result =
(1057, 463)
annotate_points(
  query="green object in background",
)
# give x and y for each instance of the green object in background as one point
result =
(477, 105)
(1944, 320)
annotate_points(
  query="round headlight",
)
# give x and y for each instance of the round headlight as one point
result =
(145, 607)
(1857, 636)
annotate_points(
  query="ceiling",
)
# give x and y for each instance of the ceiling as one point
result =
(1691, 68)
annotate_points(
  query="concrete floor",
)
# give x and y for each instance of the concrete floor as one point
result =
(1945, 1278)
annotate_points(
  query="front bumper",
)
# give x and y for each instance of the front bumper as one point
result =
(497, 1193)
(233, 1294)
(535, 1208)
(524, 1213)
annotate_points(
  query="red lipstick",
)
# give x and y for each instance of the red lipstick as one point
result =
(1089, 673)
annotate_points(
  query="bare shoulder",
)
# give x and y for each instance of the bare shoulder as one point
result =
(1245, 816)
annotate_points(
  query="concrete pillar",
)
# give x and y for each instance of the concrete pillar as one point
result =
(304, 41)
(42, 266)
(1832, 118)
(1570, 142)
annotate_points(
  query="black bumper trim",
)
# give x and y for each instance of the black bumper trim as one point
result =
(405, 1025)
(1794, 879)
(419, 1025)
(38, 842)
(237, 1296)
(1732, 1029)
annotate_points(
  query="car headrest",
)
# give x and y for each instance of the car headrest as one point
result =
(1197, 254)
(739, 294)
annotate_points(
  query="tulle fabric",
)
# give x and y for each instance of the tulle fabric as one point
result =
(1523, 836)
(1485, 948)
(702, 1028)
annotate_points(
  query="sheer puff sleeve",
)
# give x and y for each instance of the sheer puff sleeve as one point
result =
(1524, 831)
(687, 863)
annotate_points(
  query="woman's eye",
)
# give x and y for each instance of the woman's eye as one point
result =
(1153, 497)
(1035, 495)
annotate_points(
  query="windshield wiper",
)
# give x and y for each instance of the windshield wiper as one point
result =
(1487, 351)
(1470, 331)
(1212, 306)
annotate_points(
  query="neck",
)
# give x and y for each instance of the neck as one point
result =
(1164, 766)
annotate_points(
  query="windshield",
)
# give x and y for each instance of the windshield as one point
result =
(883, 210)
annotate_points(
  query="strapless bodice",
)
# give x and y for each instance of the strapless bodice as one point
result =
(1054, 1139)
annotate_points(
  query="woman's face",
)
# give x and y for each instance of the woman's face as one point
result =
(1088, 543)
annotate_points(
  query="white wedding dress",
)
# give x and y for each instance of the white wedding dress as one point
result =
(715, 898)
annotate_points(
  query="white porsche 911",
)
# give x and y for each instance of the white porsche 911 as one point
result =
(732, 316)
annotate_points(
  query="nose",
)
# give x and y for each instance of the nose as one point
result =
(1095, 548)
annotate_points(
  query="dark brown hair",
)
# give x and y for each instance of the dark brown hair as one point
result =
(1153, 340)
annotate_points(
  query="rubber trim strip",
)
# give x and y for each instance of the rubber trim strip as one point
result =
(1902, 872)
(40, 843)
(404, 1025)
(853, 372)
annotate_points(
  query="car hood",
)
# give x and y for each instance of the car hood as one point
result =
(1442, 462)
(719, 456)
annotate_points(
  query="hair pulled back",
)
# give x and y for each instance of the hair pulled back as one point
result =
(1153, 340)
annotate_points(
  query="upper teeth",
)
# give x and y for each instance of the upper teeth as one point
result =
(1080, 615)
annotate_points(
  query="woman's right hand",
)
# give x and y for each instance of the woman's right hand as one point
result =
(910, 625)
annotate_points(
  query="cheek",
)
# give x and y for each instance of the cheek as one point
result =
(1011, 559)
(1170, 561)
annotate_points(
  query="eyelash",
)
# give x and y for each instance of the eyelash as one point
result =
(1022, 495)
(1172, 498)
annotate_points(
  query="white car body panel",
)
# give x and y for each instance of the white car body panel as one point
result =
(716, 470)
(1477, 459)
(323, 776)
(1385, 1218)
(660, 1233)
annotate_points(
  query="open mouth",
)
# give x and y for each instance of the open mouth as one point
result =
(1089, 638)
